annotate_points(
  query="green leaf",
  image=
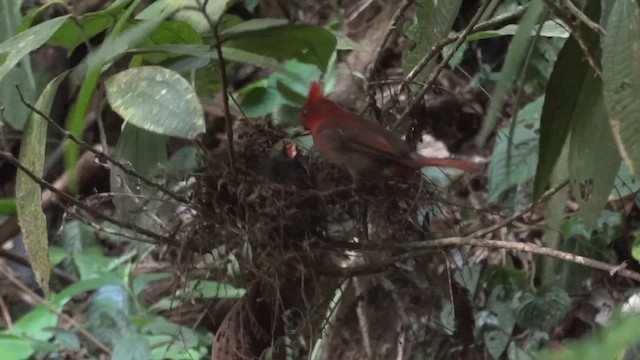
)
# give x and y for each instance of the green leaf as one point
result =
(253, 25)
(170, 32)
(19, 46)
(563, 91)
(512, 67)
(523, 145)
(146, 152)
(15, 347)
(293, 97)
(591, 143)
(115, 44)
(635, 249)
(309, 44)
(497, 324)
(184, 160)
(7, 207)
(621, 75)
(241, 56)
(28, 194)
(57, 255)
(550, 28)
(187, 11)
(608, 343)
(432, 23)
(555, 215)
(212, 289)
(624, 184)
(157, 100)
(545, 311)
(73, 33)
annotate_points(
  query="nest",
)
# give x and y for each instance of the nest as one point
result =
(243, 208)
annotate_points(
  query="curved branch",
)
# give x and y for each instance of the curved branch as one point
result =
(419, 248)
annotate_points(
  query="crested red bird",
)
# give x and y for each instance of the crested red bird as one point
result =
(363, 147)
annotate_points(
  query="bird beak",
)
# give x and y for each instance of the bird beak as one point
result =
(291, 150)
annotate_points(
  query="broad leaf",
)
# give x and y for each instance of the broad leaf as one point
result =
(146, 153)
(253, 25)
(593, 156)
(309, 44)
(19, 46)
(28, 194)
(563, 91)
(133, 347)
(157, 100)
(621, 75)
(187, 11)
(523, 146)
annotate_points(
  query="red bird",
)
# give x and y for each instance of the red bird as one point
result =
(363, 147)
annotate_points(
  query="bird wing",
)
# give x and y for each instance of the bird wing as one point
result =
(368, 138)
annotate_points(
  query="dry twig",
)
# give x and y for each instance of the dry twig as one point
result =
(457, 41)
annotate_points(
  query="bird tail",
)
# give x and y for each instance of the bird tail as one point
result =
(450, 163)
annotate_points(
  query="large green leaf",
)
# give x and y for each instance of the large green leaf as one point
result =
(157, 100)
(563, 91)
(621, 75)
(114, 45)
(512, 67)
(253, 25)
(28, 194)
(591, 144)
(19, 46)
(309, 44)
(432, 23)
(523, 146)
(73, 33)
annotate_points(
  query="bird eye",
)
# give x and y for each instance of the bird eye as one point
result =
(305, 112)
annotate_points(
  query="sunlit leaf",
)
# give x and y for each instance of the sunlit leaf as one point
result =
(157, 100)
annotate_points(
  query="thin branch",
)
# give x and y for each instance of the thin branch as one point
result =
(497, 22)
(419, 248)
(11, 277)
(377, 55)
(101, 154)
(546, 196)
(583, 17)
(228, 120)
(434, 74)
(161, 239)
(577, 35)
